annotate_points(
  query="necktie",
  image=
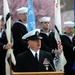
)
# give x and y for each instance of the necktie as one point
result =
(36, 62)
(36, 57)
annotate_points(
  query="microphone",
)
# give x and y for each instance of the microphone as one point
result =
(52, 66)
(47, 63)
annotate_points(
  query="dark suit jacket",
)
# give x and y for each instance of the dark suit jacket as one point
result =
(68, 51)
(48, 42)
(19, 45)
(26, 62)
(3, 41)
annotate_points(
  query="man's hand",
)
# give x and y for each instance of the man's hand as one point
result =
(8, 46)
(57, 51)
(60, 48)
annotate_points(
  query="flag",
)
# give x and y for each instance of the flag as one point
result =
(7, 22)
(31, 18)
(60, 60)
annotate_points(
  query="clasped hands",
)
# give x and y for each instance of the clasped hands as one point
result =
(60, 48)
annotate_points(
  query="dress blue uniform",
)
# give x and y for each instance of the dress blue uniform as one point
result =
(3, 41)
(26, 61)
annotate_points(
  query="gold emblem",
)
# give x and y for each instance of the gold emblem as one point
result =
(46, 67)
(37, 33)
(46, 64)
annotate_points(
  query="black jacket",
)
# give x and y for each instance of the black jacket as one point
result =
(68, 51)
(48, 42)
(26, 62)
(19, 45)
(3, 41)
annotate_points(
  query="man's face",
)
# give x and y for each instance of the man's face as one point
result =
(34, 44)
(69, 30)
(23, 16)
(45, 25)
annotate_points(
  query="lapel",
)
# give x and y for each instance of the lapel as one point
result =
(40, 58)
(31, 58)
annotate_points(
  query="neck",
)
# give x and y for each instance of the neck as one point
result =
(69, 34)
(24, 21)
(45, 30)
(34, 49)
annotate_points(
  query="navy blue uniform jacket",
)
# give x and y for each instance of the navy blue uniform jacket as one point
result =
(3, 41)
(26, 62)
(19, 45)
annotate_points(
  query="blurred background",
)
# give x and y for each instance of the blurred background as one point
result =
(42, 8)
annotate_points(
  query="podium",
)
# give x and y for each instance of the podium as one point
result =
(37, 73)
(34, 73)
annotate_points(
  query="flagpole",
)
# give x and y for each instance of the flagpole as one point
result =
(7, 22)
(58, 16)
(58, 30)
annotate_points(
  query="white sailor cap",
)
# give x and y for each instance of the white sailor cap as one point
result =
(22, 10)
(45, 19)
(0, 17)
(69, 24)
(32, 35)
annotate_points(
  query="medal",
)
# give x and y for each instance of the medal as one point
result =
(46, 64)
(46, 67)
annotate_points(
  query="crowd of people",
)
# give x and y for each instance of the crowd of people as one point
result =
(35, 50)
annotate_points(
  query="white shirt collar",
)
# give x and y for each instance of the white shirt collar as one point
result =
(33, 52)
(25, 24)
(69, 36)
(47, 32)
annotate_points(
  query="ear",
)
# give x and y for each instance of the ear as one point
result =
(29, 42)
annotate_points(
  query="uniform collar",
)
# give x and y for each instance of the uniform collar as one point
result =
(33, 52)
(47, 32)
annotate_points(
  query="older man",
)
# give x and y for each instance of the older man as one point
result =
(34, 60)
